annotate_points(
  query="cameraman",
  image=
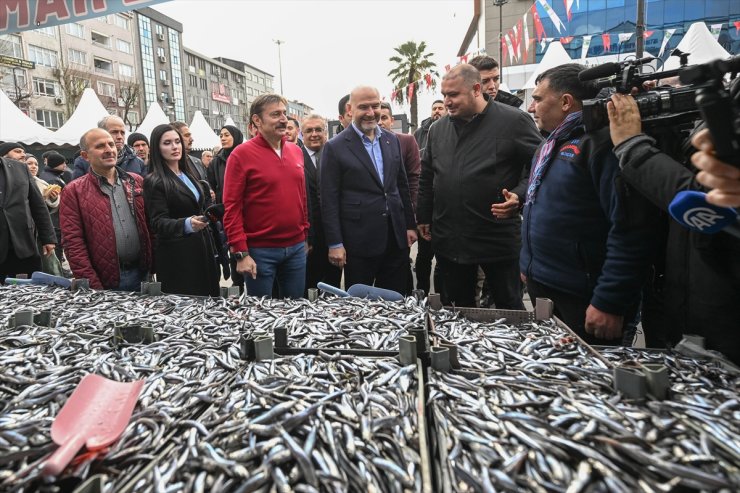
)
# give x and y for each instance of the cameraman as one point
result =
(700, 285)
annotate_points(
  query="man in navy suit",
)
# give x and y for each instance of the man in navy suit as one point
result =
(365, 202)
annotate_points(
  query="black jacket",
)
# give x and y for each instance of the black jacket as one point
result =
(701, 287)
(23, 212)
(507, 98)
(463, 172)
(422, 133)
(216, 172)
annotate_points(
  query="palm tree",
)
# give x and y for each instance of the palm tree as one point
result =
(412, 63)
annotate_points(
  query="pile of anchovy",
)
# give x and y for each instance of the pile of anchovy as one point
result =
(535, 411)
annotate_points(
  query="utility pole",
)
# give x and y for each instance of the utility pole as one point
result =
(640, 29)
(500, 4)
(280, 64)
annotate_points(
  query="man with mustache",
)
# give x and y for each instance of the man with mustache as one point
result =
(104, 228)
(365, 202)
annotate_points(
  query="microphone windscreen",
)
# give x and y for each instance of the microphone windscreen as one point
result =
(599, 71)
(691, 209)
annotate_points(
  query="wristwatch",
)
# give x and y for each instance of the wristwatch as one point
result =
(241, 255)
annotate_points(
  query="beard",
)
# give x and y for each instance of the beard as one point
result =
(368, 125)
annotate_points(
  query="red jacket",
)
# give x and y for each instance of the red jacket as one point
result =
(88, 236)
(265, 196)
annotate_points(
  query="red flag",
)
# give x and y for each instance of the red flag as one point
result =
(411, 91)
(393, 95)
(568, 5)
(514, 44)
(447, 67)
(606, 39)
(647, 34)
(539, 28)
(464, 59)
(566, 40)
(519, 37)
(504, 50)
(428, 78)
(737, 27)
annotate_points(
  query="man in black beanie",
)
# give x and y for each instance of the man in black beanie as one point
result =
(13, 150)
(140, 144)
(56, 173)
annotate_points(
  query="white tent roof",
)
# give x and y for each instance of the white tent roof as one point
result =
(15, 126)
(154, 116)
(203, 135)
(87, 115)
(554, 56)
(702, 46)
(230, 121)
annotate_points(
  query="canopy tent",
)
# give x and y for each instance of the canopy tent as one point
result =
(230, 121)
(154, 116)
(87, 115)
(16, 126)
(554, 56)
(701, 45)
(203, 136)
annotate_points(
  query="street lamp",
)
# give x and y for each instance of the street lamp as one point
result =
(280, 64)
(500, 4)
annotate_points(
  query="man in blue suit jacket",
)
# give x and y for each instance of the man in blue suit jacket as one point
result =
(365, 203)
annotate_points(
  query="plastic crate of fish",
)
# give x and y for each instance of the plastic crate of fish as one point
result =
(524, 431)
(308, 423)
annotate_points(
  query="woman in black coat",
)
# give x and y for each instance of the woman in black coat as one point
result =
(230, 137)
(184, 253)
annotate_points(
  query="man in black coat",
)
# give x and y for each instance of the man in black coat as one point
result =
(474, 169)
(490, 77)
(318, 267)
(365, 200)
(23, 213)
(56, 173)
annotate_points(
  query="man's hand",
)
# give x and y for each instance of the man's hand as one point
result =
(247, 266)
(624, 118)
(722, 178)
(411, 236)
(47, 249)
(603, 325)
(508, 208)
(425, 231)
(338, 257)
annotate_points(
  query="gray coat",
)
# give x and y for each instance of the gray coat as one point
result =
(464, 171)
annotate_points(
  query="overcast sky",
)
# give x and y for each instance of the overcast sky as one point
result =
(330, 46)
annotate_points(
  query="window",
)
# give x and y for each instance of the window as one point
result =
(162, 75)
(103, 66)
(250, 91)
(101, 39)
(126, 70)
(123, 46)
(75, 29)
(50, 119)
(104, 19)
(193, 80)
(47, 31)
(106, 89)
(77, 56)
(133, 117)
(203, 84)
(159, 29)
(122, 22)
(13, 81)
(42, 56)
(80, 82)
(45, 87)
(10, 45)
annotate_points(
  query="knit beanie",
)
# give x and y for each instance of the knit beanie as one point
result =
(135, 137)
(54, 159)
(9, 146)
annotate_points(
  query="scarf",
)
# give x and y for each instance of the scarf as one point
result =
(543, 159)
(238, 139)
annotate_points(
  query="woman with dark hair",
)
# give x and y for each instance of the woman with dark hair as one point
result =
(230, 138)
(184, 253)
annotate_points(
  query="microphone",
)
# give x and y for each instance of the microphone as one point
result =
(690, 209)
(599, 71)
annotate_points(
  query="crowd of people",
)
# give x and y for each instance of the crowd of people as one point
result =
(529, 199)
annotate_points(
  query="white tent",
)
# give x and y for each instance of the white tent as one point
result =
(87, 115)
(702, 46)
(16, 126)
(230, 121)
(554, 56)
(154, 116)
(203, 135)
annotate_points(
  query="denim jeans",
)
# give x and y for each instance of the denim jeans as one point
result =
(287, 264)
(130, 280)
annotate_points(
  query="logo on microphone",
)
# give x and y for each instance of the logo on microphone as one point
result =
(701, 218)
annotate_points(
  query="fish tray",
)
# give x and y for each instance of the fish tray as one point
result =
(247, 457)
(542, 311)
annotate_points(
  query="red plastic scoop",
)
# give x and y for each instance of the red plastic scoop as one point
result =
(94, 416)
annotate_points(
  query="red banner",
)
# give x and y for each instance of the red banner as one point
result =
(411, 92)
(647, 34)
(566, 40)
(737, 27)
(538, 27)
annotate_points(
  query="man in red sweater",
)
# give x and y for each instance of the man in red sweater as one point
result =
(266, 213)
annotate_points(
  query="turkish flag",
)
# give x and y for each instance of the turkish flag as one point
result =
(606, 39)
